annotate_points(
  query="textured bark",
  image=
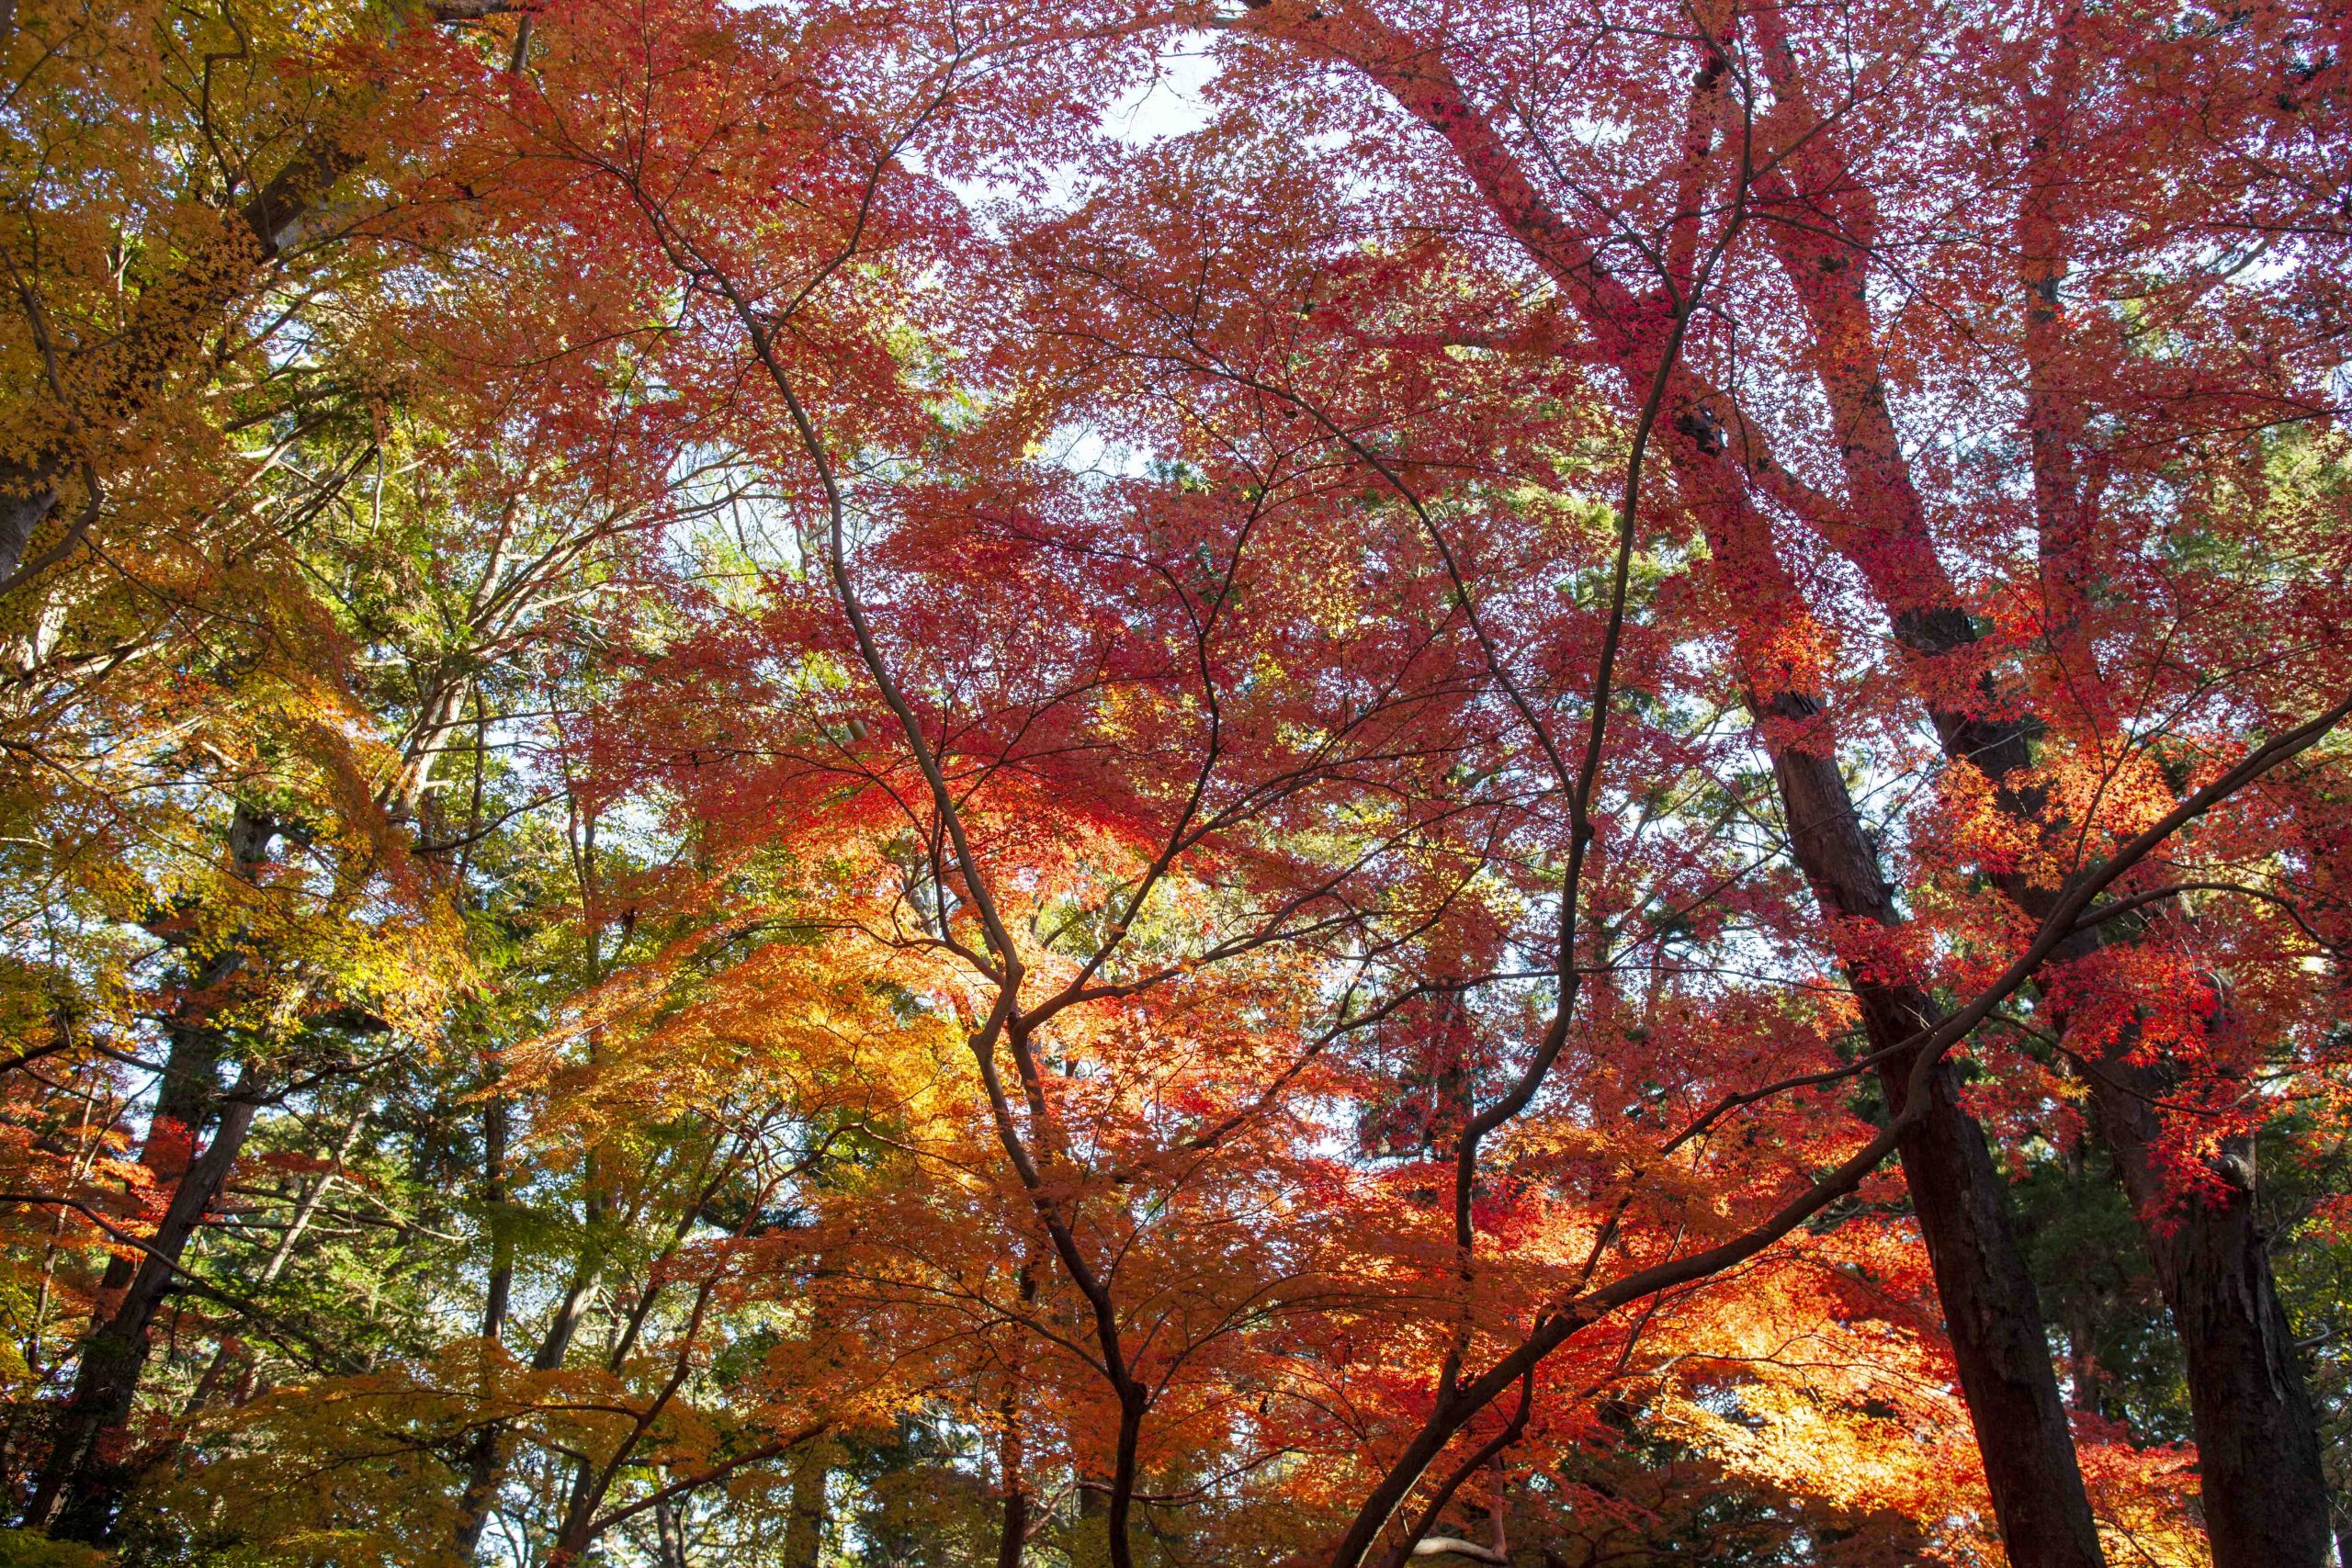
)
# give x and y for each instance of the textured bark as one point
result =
(2045, 1517)
(1991, 1312)
(2257, 1431)
(107, 386)
(670, 1533)
(804, 1531)
(1012, 1461)
(485, 1467)
(27, 495)
(2258, 1435)
(1991, 1309)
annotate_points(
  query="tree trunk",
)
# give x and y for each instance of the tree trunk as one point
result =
(27, 495)
(804, 1530)
(2267, 1503)
(1991, 1309)
(1013, 1534)
(1011, 1463)
(2258, 1434)
(2257, 1437)
(112, 382)
(486, 1461)
(83, 1481)
(671, 1534)
(482, 1458)
(1992, 1315)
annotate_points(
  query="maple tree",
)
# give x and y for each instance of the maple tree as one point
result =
(1282, 782)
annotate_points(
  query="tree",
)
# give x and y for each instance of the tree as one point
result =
(922, 828)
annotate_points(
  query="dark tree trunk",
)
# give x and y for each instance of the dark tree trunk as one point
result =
(185, 1101)
(482, 1455)
(1011, 1463)
(82, 1480)
(1013, 1534)
(27, 495)
(2245, 1391)
(484, 1469)
(487, 1458)
(1991, 1309)
(1994, 1318)
(82, 1483)
(2258, 1435)
(1991, 1312)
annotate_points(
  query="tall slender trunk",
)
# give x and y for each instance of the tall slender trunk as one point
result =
(1012, 1446)
(1012, 1533)
(482, 1455)
(1991, 1309)
(1991, 1312)
(487, 1459)
(83, 1481)
(306, 1209)
(186, 1099)
(492, 1447)
(1115, 1519)
(2258, 1432)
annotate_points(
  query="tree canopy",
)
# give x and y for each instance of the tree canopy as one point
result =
(1165, 785)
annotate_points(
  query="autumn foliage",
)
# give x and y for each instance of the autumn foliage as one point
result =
(1296, 781)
